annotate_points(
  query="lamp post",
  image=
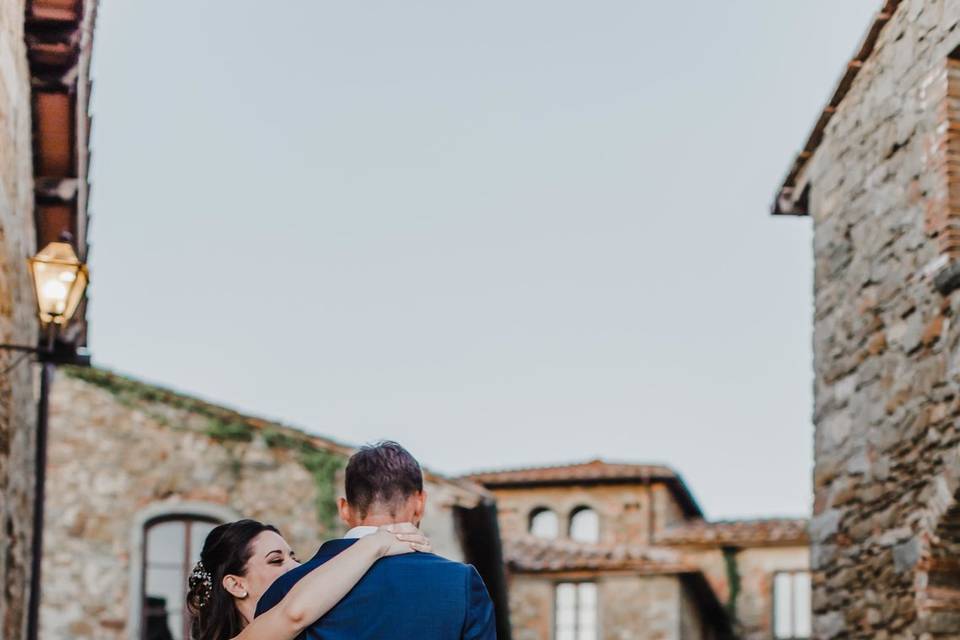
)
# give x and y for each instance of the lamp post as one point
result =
(59, 281)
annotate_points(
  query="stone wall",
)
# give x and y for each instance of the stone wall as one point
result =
(17, 324)
(531, 607)
(886, 341)
(640, 607)
(121, 452)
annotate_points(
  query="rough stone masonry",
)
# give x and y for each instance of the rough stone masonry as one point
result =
(881, 186)
(17, 324)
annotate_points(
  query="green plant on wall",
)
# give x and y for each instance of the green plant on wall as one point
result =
(277, 439)
(232, 430)
(733, 579)
(323, 466)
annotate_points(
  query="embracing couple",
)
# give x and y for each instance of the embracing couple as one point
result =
(378, 581)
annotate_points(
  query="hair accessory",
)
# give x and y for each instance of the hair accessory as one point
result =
(202, 582)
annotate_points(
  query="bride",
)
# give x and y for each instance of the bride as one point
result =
(241, 559)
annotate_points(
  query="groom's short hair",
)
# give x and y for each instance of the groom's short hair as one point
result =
(382, 473)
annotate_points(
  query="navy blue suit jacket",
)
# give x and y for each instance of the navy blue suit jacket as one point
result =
(416, 596)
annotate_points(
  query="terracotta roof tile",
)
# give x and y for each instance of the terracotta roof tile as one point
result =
(768, 532)
(585, 471)
(530, 554)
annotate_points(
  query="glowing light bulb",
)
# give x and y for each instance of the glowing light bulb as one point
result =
(56, 292)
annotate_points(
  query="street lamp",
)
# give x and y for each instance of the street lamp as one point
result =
(59, 282)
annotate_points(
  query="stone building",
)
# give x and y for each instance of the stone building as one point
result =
(617, 551)
(138, 475)
(44, 56)
(880, 179)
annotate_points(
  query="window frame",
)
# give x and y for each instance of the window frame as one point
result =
(596, 613)
(793, 573)
(185, 562)
(137, 549)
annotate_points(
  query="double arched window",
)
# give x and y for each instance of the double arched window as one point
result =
(582, 526)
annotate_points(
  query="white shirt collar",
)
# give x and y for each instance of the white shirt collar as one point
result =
(360, 532)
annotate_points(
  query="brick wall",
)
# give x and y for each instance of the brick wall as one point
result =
(17, 324)
(624, 510)
(886, 340)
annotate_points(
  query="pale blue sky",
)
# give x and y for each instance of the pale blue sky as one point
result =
(503, 233)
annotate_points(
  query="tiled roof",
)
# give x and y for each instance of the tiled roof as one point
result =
(593, 472)
(585, 472)
(789, 200)
(530, 554)
(769, 532)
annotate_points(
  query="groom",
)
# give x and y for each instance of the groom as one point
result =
(416, 596)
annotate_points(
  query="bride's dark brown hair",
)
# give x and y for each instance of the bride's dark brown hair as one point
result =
(214, 616)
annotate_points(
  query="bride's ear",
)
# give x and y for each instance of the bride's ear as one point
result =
(235, 586)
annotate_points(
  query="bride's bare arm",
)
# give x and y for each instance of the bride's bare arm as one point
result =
(318, 591)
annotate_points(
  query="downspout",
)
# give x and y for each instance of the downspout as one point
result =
(650, 511)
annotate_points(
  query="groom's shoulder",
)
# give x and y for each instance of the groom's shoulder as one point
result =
(429, 564)
(428, 559)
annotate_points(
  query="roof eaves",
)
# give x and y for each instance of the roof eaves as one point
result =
(790, 201)
(691, 508)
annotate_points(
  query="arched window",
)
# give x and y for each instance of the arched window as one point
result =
(171, 548)
(544, 523)
(165, 543)
(585, 525)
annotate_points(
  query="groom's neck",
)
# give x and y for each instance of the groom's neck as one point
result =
(380, 517)
(376, 521)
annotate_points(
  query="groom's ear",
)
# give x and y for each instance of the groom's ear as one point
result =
(346, 513)
(421, 506)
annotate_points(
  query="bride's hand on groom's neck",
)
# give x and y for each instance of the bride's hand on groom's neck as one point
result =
(401, 538)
